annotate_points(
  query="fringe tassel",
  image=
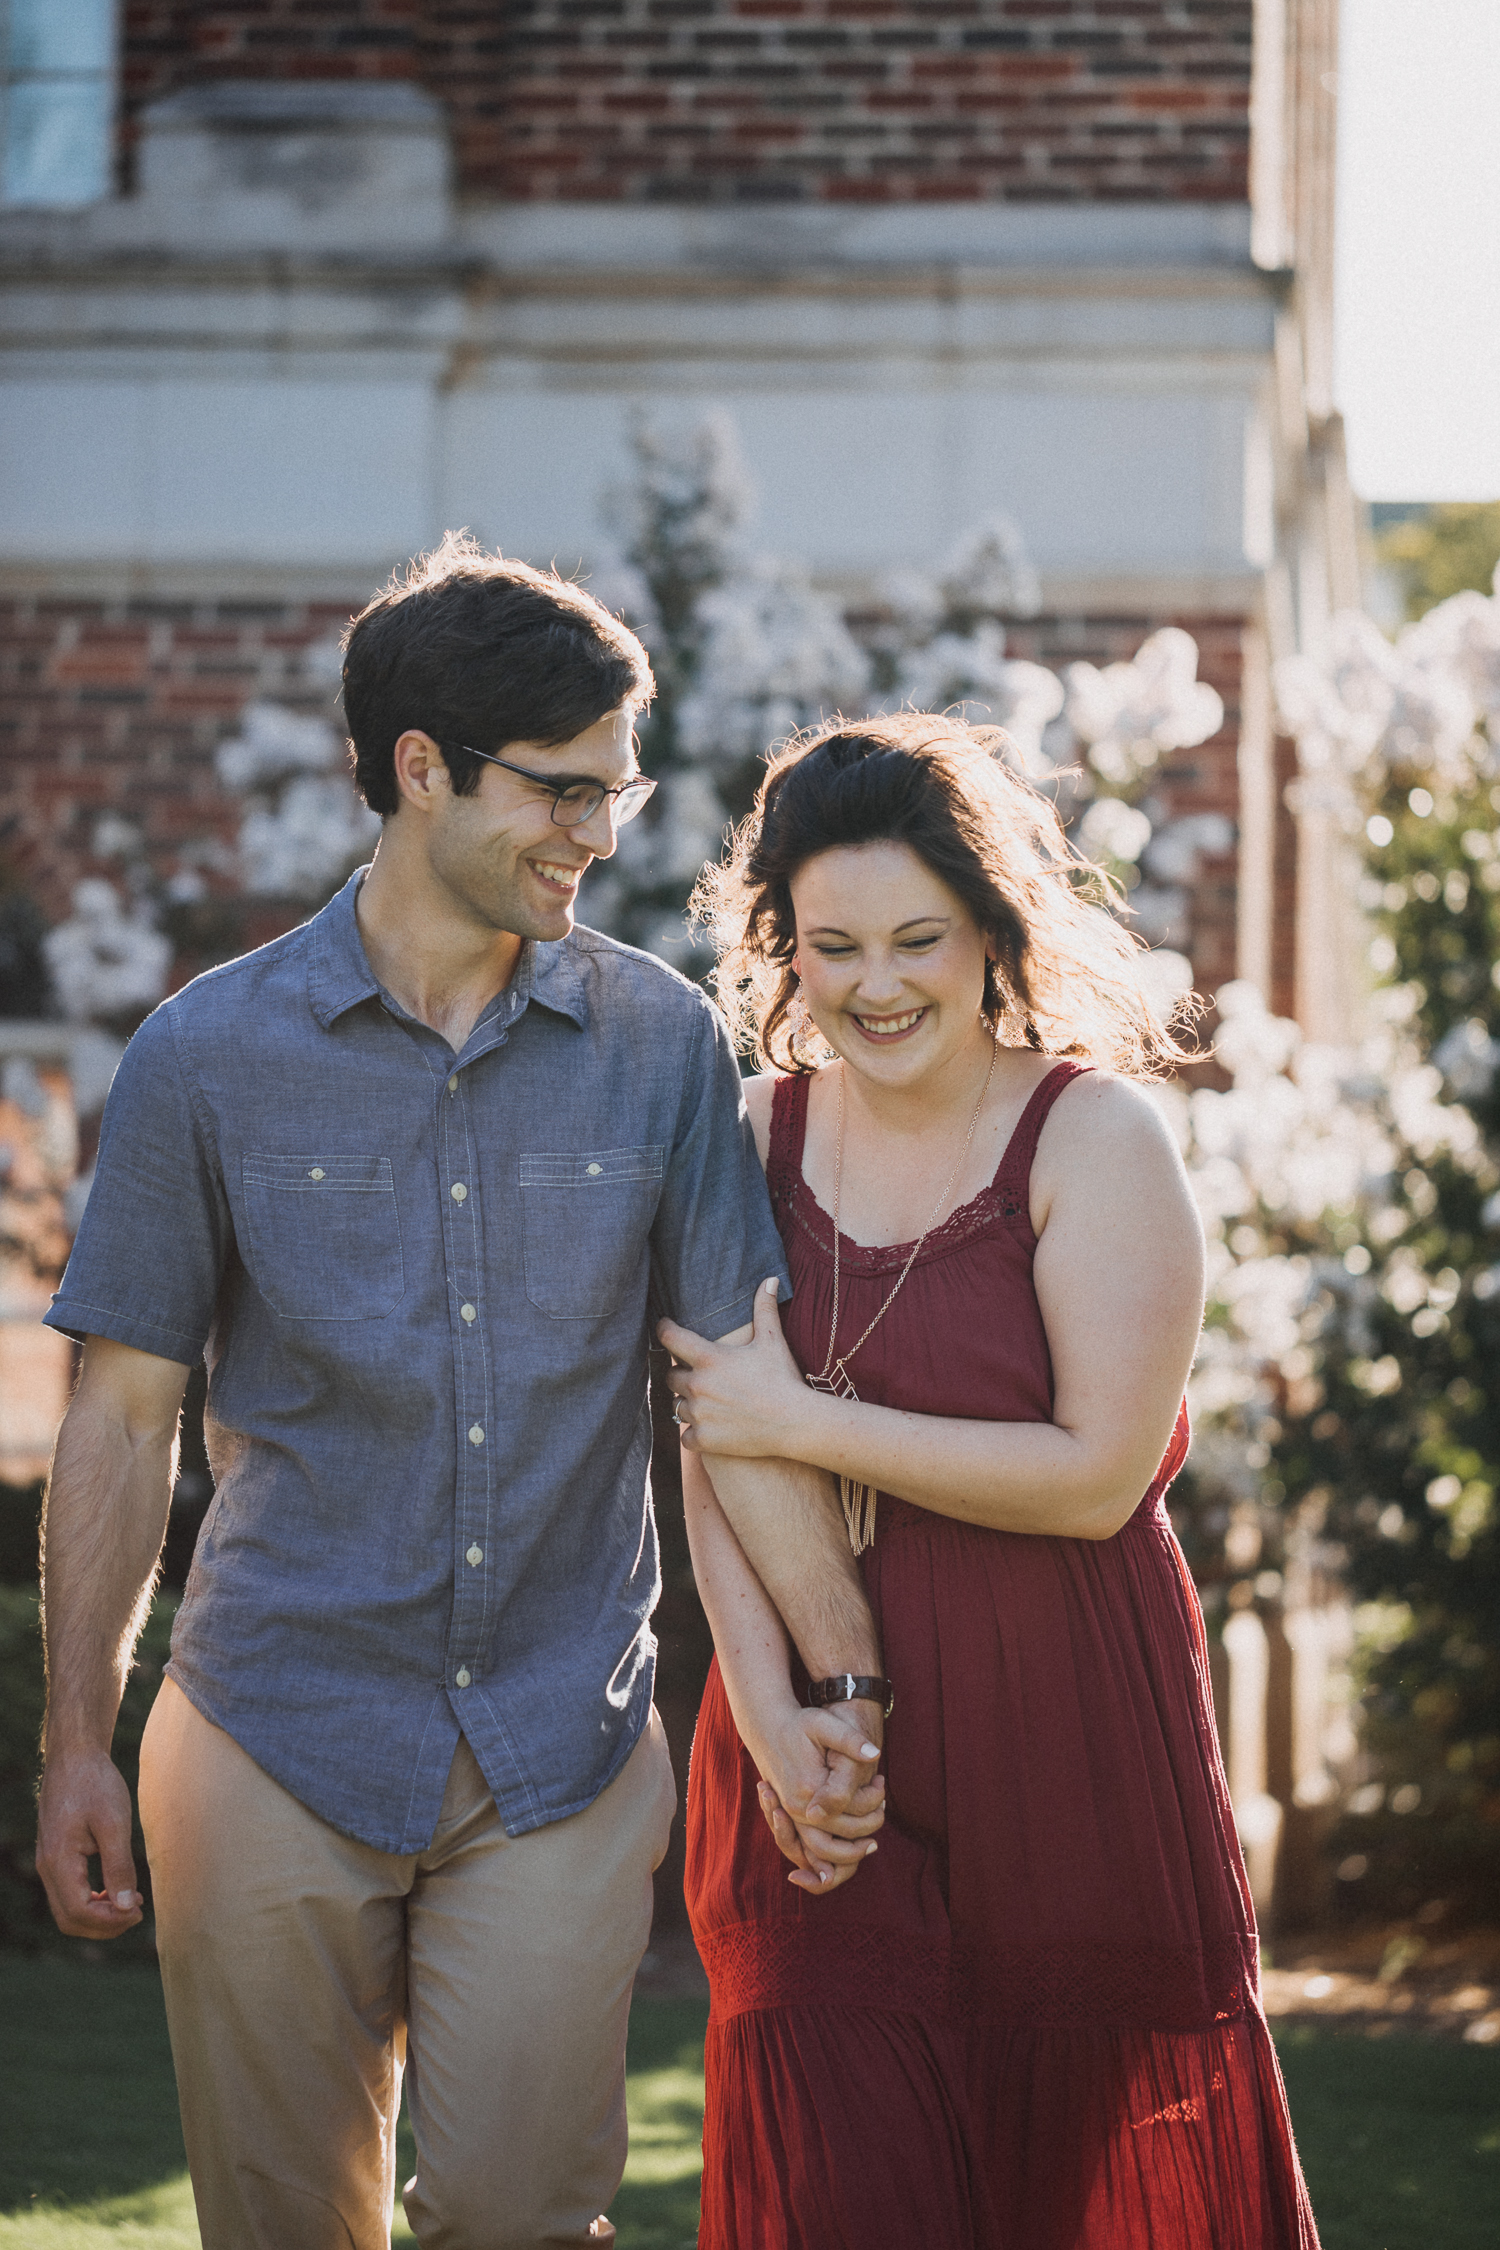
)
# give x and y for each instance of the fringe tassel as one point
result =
(859, 1512)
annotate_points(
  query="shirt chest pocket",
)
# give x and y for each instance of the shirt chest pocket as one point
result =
(586, 1227)
(322, 1235)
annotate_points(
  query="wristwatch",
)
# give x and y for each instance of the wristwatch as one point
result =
(853, 1687)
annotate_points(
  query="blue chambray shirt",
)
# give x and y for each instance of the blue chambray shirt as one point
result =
(424, 1286)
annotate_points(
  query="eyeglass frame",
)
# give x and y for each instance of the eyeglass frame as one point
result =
(640, 786)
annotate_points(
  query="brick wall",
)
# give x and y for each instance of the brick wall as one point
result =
(767, 100)
(117, 707)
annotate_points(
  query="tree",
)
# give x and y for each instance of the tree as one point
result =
(1441, 550)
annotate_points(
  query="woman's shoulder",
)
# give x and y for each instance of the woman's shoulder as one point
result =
(1099, 1114)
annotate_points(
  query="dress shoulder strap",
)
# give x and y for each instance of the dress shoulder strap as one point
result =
(788, 1126)
(1015, 1165)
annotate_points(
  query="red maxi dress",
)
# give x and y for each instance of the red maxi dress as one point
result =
(1032, 2020)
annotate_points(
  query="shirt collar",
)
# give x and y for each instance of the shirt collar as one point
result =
(339, 975)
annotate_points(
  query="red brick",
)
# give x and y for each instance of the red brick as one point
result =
(597, 77)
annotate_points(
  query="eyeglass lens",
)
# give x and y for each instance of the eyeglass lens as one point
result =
(581, 802)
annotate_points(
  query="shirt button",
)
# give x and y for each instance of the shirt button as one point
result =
(453, 1085)
(316, 1173)
(476, 1434)
(474, 1557)
(459, 1192)
(468, 1312)
(595, 1170)
(462, 1676)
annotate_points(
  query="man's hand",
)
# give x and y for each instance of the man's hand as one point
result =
(84, 1809)
(822, 1766)
(827, 1828)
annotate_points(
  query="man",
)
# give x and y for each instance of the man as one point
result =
(415, 1179)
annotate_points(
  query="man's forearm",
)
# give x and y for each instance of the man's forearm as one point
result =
(102, 1531)
(790, 1523)
(104, 1521)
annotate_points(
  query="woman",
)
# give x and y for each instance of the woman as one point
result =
(1029, 2019)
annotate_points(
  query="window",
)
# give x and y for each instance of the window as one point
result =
(58, 95)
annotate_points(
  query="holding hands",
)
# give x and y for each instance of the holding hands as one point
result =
(821, 1794)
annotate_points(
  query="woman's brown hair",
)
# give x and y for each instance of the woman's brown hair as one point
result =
(1065, 978)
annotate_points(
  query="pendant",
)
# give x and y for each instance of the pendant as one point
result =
(858, 1499)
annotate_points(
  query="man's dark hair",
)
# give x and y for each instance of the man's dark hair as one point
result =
(473, 649)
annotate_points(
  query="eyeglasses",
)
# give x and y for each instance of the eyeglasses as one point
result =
(576, 799)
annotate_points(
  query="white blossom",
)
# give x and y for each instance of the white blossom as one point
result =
(117, 838)
(1251, 1043)
(952, 668)
(989, 569)
(106, 960)
(303, 828)
(304, 844)
(1167, 978)
(274, 743)
(689, 492)
(915, 602)
(777, 655)
(1112, 829)
(1462, 636)
(973, 671)
(1367, 703)
(1131, 715)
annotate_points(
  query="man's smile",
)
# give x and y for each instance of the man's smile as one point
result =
(556, 875)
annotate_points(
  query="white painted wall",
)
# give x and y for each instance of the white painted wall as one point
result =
(293, 350)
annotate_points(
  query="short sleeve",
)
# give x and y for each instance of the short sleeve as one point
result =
(151, 1245)
(714, 1241)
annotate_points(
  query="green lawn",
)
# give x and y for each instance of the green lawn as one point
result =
(91, 2154)
(1401, 2138)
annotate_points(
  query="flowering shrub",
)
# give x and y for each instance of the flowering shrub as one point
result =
(1382, 1419)
(746, 650)
(303, 829)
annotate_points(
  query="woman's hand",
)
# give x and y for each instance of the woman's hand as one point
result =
(821, 1794)
(820, 1862)
(742, 1400)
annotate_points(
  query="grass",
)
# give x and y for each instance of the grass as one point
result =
(91, 2152)
(1400, 2137)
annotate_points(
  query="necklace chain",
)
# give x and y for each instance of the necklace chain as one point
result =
(834, 1374)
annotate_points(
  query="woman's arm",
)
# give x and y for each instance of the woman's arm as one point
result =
(795, 1751)
(1119, 1277)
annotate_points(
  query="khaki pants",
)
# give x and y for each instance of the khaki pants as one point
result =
(303, 1971)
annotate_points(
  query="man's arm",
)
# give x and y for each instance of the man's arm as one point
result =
(789, 1522)
(102, 1531)
(811, 1760)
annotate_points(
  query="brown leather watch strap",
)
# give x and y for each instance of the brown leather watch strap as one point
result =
(853, 1687)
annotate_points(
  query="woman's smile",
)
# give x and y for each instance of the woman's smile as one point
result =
(887, 1028)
